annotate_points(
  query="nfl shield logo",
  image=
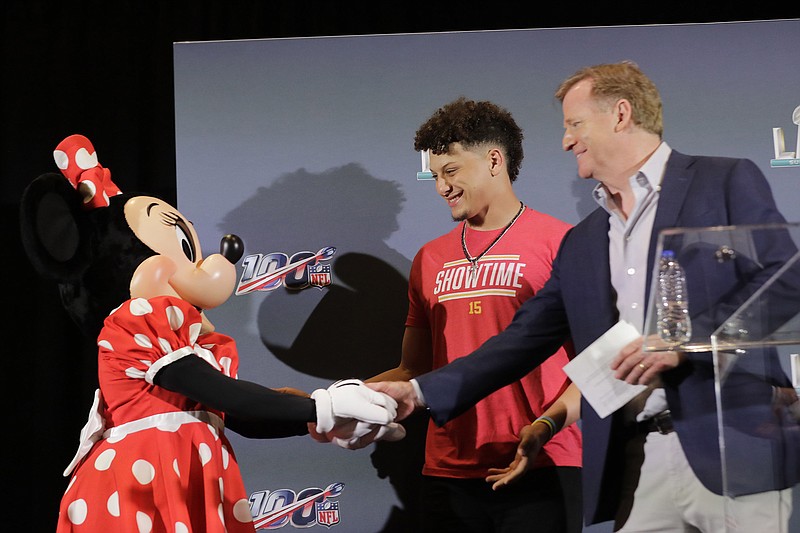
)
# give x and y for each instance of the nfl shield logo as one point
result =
(328, 513)
(319, 275)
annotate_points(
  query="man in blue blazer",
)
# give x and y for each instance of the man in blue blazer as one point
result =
(654, 464)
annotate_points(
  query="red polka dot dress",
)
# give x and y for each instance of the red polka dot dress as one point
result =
(161, 462)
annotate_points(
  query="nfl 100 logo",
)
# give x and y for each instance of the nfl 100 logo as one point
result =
(267, 272)
(274, 509)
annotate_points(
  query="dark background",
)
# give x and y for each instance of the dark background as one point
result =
(104, 69)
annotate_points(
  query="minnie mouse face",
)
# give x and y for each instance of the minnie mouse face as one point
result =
(178, 268)
(102, 246)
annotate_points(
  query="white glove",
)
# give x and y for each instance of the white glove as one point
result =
(365, 434)
(351, 399)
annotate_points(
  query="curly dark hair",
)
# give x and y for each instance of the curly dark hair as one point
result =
(472, 123)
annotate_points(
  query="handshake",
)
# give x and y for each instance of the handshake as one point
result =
(352, 416)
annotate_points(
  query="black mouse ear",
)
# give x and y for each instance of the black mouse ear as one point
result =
(54, 227)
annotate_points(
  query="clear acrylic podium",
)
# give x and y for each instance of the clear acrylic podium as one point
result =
(744, 303)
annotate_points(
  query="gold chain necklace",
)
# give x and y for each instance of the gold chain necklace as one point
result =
(474, 260)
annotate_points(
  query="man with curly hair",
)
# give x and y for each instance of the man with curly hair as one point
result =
(465, 287)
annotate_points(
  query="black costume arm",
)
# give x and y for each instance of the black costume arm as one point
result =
(251, 410)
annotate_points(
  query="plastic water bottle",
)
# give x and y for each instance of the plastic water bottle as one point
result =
(674, 325)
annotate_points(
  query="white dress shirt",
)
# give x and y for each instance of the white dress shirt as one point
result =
(628, 245)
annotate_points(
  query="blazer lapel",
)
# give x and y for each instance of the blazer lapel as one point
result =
(596, 248)
(674, 186)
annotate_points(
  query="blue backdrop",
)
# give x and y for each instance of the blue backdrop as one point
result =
(301, 144)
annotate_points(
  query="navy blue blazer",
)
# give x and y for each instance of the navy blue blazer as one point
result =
(578, 303)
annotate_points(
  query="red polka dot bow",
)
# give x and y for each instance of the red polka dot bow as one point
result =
(76, 158)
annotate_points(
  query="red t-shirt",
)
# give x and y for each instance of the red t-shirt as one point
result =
(462, 311)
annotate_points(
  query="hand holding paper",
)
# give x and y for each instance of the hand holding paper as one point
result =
(591, 371)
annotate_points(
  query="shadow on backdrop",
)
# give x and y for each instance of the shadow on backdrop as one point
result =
(582, 192)
(353, 327)
(357, 324)
(401, 462)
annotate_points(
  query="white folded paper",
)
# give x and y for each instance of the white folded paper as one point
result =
(591, 371)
